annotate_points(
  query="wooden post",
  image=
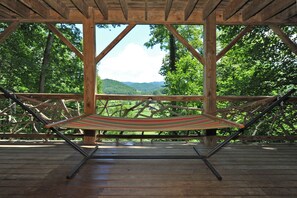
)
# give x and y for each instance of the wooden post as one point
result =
(209, 83)
(89, 51)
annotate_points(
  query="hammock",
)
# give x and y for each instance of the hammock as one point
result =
(181, 123)
(96, 122)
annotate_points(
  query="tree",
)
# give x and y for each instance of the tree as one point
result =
(259, 64)
(185, 77)
(28, 65)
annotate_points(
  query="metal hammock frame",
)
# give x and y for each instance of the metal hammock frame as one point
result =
(91, 155)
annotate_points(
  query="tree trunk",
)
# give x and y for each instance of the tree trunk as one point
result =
(45, 61)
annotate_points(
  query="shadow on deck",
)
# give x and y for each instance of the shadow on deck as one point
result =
(257, 170)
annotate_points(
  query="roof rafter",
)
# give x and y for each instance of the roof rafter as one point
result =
(124, 7)
(103, 8)
(82, 7)
(275, 7)
(233, 7)
(5, 12)
(59, 7)
(37, 7)
(168, 8)
(16, 7)
(290, 12)
(255, 7)
(189, 8)
(209, 7)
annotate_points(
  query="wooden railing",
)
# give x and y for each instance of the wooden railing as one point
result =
(15, 123)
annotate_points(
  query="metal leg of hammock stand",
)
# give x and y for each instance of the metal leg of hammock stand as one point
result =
(209, 165)
(75, 170)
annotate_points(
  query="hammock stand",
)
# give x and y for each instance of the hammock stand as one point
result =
(95, 121)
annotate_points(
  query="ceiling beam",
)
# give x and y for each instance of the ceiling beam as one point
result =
(209, 7)
(233, 7)
(276, 7)
(37, 7)
(82, 7)
(114, 42)
(168, 8)
(253, 8)
(189, 8)
(103, 8)
(53, 28)
(16, 7)
(124, 7)
(185, 43)
(8, 31)
(278, 31)
(59, 7)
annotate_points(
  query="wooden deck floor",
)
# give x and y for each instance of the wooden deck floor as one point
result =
(39, 170)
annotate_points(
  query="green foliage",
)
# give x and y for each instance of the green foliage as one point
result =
(154, 88)
(113, 86)
(130, 88)
(22, 54)
(259, 64)
(187, 77)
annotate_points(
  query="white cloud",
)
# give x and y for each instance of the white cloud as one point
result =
(135, 64)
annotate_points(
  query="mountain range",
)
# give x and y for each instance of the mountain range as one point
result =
(131, 88)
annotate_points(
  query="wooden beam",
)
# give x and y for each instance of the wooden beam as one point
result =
(114, 42)
(124, 7)
(168, 8)
(16, 7)
(209, 7)
(253, 8)
(233, 7)
(90, 72)
(210, 65)
(82, 7)
(8, 31)
(233, 42)
(189, 8)
(278, 31)
(103, 8)
(146, 10)
(209, 80)
(59, 7)
(275, 7)
(37, 7)
(185, 43)
(288, 13)
(65, 40)
(5, 12)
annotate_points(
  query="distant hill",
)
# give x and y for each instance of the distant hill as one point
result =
(130, 88)
(146, 88)
(116, 87)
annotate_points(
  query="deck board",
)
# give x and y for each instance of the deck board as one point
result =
(253, 170)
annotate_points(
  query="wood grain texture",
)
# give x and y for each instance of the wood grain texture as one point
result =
(252, 170)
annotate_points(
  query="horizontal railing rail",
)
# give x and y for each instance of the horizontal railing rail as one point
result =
(55, 106)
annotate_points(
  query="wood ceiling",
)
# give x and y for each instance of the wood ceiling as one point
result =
(253, 12)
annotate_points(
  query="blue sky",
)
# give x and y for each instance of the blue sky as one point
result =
(129, 60)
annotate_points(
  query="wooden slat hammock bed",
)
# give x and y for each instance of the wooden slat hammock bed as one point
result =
(96, 122)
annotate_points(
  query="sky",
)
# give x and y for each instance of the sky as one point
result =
(129, 60)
